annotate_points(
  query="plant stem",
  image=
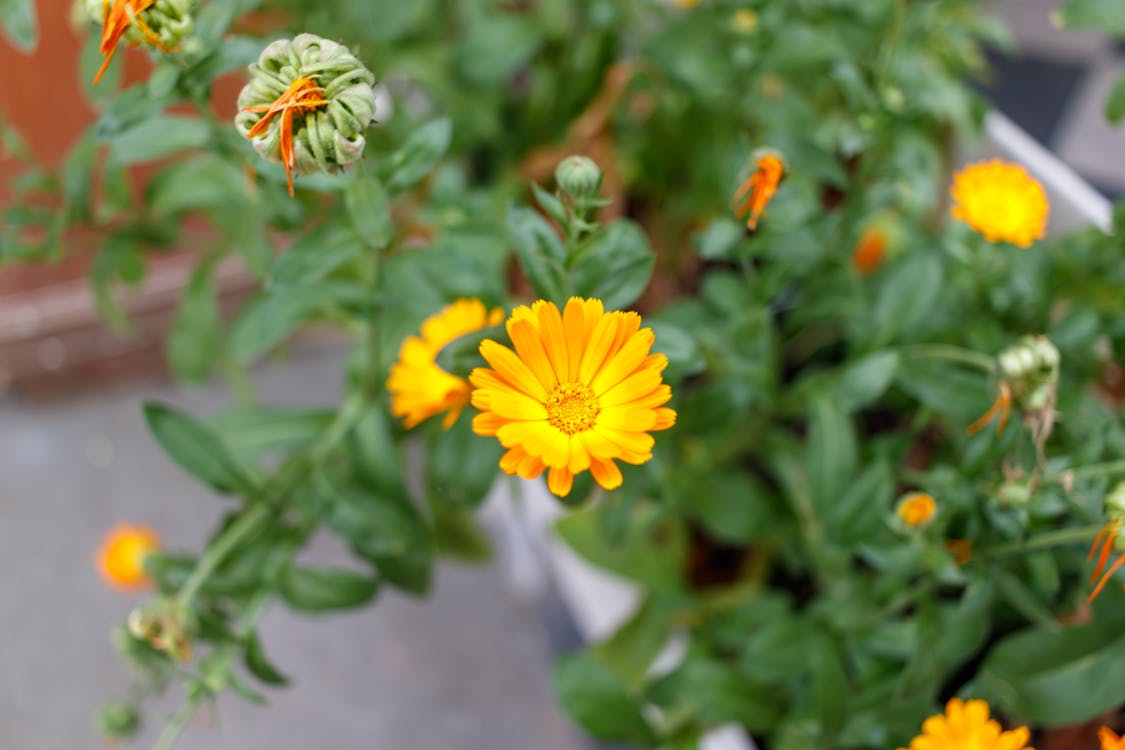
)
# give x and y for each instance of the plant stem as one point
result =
(217, 552)
(1044, 541)
(950, 353)
(176, 725)
(1097, 470)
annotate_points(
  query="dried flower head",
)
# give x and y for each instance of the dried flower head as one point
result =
(159, 23)
(307, 105)
(579, 391)
(753, 195)
(1001, 201)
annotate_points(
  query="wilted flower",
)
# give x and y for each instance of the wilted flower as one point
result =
(1001, 201)
(580, 391)
(760, 187)
(966, 724)
(307, 105)
(869, 250)
(159, 23)
(1107, 542)
(122, 554)
(1029, 377)
(419, 388)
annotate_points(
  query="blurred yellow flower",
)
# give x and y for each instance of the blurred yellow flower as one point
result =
(580, 391)
(686, 3)
(744, 20)
(966, 726)
(1110, 740)
(122, 555)
(916, 509)
(419, 388)
(1001, 201)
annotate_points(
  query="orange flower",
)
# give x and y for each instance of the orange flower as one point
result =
(869, 251)
(1110, 740)
(302, 96)
(579, 392)
(1000, 201)
(1105, 539)
(1002, 406)
(122, 555)
(916, 509)
(965, 725)
(116, 20)
(758, 190)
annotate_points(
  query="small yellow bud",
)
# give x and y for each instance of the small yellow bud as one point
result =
(916, 509)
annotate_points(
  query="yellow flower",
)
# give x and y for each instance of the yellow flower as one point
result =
(1110, 739)
(122, 555)
(419, 388)
(744, 20)
(966, 726)
(916, 509)
(1001, 201)
(580, 391)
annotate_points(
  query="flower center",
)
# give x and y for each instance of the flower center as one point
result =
(572, 408)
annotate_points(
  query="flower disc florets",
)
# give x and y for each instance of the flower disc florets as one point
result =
(317, 100)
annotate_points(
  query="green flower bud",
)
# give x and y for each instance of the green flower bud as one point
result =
(164, 24)
(117, 720)
(1031, 369)
(326, 137)
(1115, 502)
(1013, 494)
(579, 177)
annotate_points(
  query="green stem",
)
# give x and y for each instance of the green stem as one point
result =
(217, 552)
(1043, 541)
(176, 725)
(1098, 470)
(950, 353)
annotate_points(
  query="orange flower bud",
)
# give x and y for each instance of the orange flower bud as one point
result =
(122, 555)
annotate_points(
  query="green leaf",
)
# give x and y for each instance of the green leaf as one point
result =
(679, 346)
(419, 154)
(459, 535)
(857, 512)
(720, 239)
(907, 297)
(197, 449)
(157, 137)
(20, 24)
(369, 207)
(632, 648)
(651, 551)
(259, 665)
(552, 205)
(461, 466)
(865, 380)
(119, 258)
(599, 701)
(495, 47)
(732, 506)
(325, 590)
(315, 255)
(613, 265)
(951, 391)
(717, 693)
(831, 458)
(254, 431)
(1115, 104)
(270, 319)
(541, 253)
(1056, 677)
(207, 182)
(195, 341)
(1104, 15)
(377, 456)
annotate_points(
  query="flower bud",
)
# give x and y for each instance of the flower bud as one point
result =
(117, 720)
(915, 510)
(1013, 494)
(579, 177)
(327, 129)
(1115, 502)
(1031, 369)
(164, 24)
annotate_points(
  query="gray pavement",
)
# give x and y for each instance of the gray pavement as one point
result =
(467, 670)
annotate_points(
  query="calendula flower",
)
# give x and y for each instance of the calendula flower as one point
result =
(580, 391)
(869, 251)
(965, 725)
(1110, 740)
(159, 23)
(122, 555)
(307, 105)
(419, 388)
(916, 509)
(758, 190)
(1001, 201)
